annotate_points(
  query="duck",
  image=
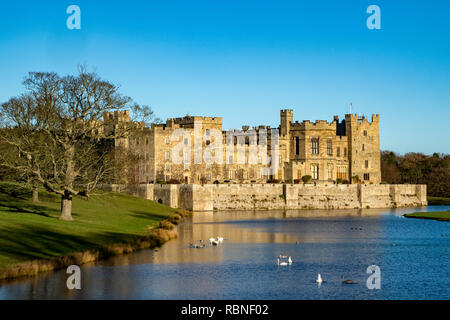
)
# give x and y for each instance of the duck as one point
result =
(220, 239)
(211, 240)
(215, 243)
(319, 279)
(347, 281)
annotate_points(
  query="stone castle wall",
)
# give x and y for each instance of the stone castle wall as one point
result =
(220, 197)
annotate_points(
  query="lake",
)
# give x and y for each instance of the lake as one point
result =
(412, 254)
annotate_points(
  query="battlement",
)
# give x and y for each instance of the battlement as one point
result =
(116, 116)
(317, 125)
(286, 112)
(356, 119)
(189, 120)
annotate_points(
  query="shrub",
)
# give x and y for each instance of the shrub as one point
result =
(345, 182)
(339, 181)
(216, 182)
(356, 179)
(175, 219)
(166, 225)
(307, 179)
(297, 181)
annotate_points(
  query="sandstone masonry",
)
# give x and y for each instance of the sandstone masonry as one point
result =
(220, 197)
(329, 152)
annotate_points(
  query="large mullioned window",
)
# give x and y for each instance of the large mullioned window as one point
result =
(315, 146)
(329, 148)
(315, 171)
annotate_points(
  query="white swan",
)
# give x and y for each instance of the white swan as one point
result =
(281, 263)
(289, 260)
(319, 279)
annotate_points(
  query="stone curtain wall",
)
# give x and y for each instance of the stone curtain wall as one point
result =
(212, 197)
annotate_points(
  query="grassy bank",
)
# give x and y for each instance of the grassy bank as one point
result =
(438, 201)
(33, 239)
(441, 216)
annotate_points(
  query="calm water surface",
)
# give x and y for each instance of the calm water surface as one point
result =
(413, 256)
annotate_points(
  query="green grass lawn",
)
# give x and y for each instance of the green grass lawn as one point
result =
(31, 231)
(438, 201)
(441, 215)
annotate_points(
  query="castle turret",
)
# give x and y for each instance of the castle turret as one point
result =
(363, 148)
(286, 120)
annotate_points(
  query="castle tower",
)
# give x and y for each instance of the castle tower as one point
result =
(363, 148)
(286, 120)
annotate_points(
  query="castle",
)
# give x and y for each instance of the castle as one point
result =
(345, 151)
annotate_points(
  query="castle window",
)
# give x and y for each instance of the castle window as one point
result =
(365, 133)
(186, 141)
(147, 157)
(167, 177)
(167, 156)
(345, 152)
(146, 141)
(367, 164)
(230, 174)
(338, 151)
(186, 161)
(342, 173)
(330, 172)
(208, 177)
(314, 146)
(329, 147)
(315, 171)
(167, 167)
(363, 147)
(280, 159)
(297, 146)
(137, 141)
(208, 166)
(207, 132)
(230, 160)
(167, 140)
(366, 176)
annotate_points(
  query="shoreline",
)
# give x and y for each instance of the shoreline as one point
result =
(165, 232)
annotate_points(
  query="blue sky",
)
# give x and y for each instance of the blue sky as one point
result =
(246, 60)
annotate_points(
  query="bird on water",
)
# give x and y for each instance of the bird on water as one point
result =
(347, 281)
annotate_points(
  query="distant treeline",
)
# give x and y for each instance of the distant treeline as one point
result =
(417, 168)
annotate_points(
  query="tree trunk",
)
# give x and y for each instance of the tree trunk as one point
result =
(66, 207)
(35, 197)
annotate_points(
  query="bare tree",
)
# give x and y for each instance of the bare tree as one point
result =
(61, 132)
